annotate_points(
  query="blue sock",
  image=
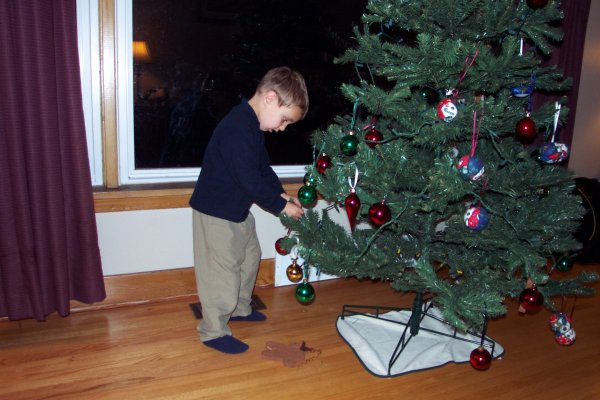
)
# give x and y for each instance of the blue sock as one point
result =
(227, 344)
(253, 316)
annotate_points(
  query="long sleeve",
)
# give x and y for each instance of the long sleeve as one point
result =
(236, 171)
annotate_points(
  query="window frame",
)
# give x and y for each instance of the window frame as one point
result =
(89, 65)
(109, 103)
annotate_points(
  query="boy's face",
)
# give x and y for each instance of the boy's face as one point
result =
(275, 118)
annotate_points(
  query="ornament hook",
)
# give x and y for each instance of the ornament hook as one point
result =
(355, 182)
(557, 107)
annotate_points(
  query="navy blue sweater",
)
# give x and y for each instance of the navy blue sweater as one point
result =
(236, 170)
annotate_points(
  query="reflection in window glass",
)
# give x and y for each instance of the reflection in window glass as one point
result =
(195, 59)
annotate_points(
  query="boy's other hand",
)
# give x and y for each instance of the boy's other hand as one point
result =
(293, 210)
(291, 199)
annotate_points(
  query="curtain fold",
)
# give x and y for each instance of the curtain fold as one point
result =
(49, 251)
(568, 56)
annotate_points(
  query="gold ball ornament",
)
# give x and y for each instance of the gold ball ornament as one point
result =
(294, 272)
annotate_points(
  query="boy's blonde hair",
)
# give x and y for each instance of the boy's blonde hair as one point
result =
(289, 86)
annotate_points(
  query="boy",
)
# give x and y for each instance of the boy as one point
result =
(235, 174)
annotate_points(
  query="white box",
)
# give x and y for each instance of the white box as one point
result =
(282, 262)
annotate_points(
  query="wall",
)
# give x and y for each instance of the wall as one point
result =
(586, 136)
(152, 240)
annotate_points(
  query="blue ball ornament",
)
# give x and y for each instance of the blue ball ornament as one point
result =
(476, 218)
(470, 167)
(552, 153)
(521, 90)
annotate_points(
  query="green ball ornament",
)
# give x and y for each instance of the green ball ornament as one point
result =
(564, 264)
(429, 95)
(309, 179)
(307, 195)
(349, 145)
(305, 293)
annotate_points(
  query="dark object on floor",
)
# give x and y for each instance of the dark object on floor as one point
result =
(254, 316)
(227, 344)
(588, 233)
(256, 304)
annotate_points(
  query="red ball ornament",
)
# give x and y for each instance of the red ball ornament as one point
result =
(525, 130)
(531, 299)
(352, 204)
(480, 358)
(323, 162)
(279, 249)
(447, 110)
(373, 137)
(379, 213)
(535, 4)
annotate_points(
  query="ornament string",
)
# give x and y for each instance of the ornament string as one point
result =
(530, 95)
(484, 329)
(467, 64)
(591, 208)
(562, 307)
(306, 272)
(358, 65)
(317, 153)
(530, 87)
(521, 47)
(371, 124)
(557, 107)
(481, 192)
(353, 122)
(573, 308)
(294, 250)
(475, 134)
(354, 182)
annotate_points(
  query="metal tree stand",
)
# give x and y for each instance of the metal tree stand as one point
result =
(419, 311)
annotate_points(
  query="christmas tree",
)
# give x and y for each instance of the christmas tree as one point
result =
(454, 185)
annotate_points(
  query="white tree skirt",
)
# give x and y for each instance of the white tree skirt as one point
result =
(375, 339)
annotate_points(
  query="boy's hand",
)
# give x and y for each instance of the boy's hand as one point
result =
(293, 210)
(292, 199)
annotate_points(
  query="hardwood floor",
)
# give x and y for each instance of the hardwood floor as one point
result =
(151, 351)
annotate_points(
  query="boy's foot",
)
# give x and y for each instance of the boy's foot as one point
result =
(227, 344)
(253, 316)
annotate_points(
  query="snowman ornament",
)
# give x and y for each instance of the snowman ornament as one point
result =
(564, 334)
(447, 110)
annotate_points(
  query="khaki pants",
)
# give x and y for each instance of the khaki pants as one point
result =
(226, 259)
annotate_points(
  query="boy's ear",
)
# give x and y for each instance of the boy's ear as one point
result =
(270, 96)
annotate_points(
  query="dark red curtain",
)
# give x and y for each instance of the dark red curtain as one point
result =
(568, 56)
(48, 240)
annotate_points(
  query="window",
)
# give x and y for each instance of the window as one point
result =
(180, 65)
(87, 23)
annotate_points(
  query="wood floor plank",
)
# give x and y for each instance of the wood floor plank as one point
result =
(151, 351)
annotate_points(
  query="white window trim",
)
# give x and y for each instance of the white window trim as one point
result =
(89, 65)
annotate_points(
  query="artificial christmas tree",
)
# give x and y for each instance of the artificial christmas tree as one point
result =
(454, 204)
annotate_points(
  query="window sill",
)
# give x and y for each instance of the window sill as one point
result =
(158, 197)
